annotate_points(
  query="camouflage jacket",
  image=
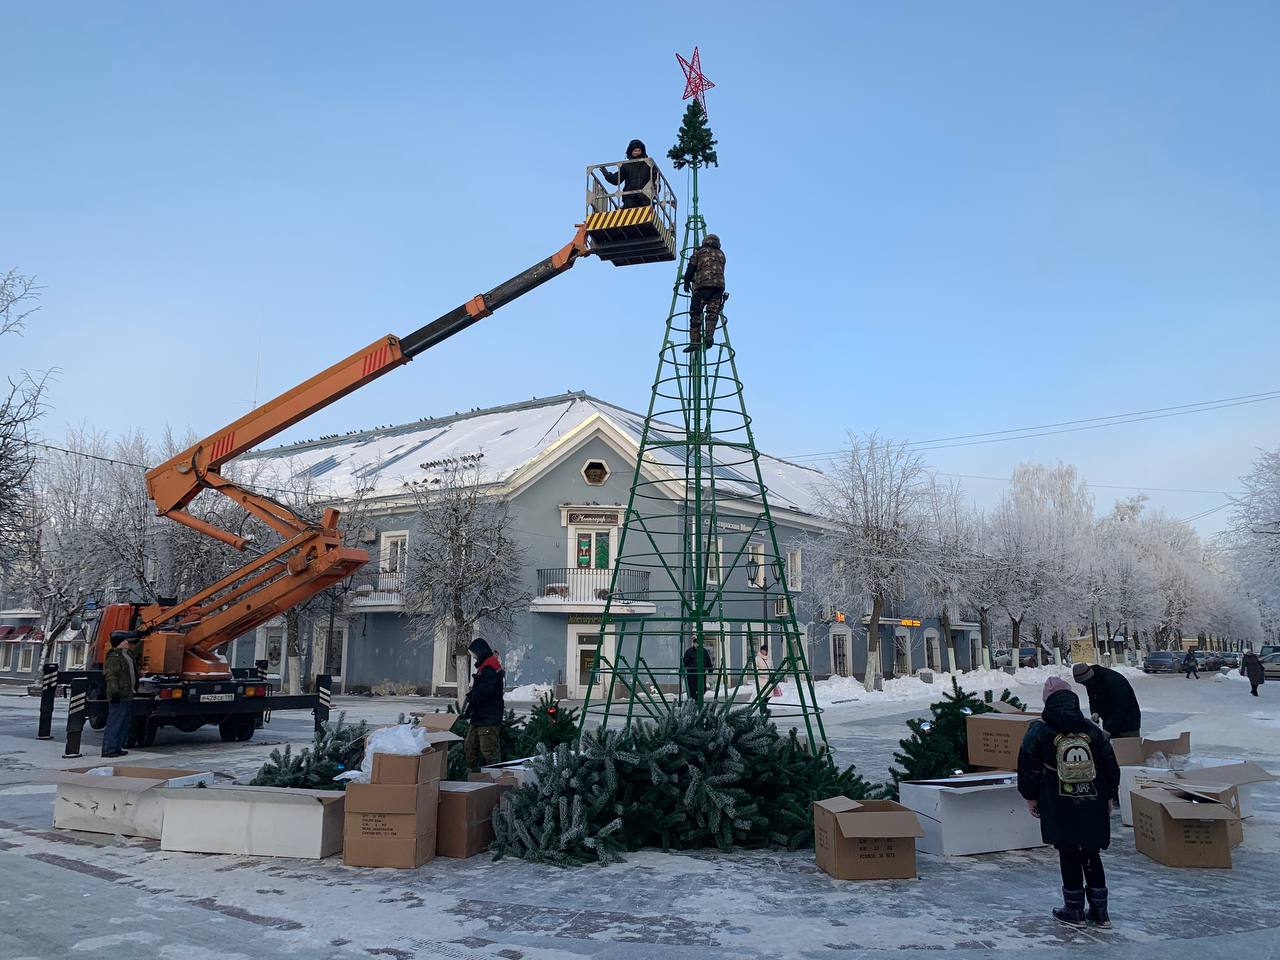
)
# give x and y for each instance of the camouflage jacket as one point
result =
(121, 674)
(706, 268)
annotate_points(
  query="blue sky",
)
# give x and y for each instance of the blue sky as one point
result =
(939, 219)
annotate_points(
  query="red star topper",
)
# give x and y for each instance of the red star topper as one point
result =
(695, 84)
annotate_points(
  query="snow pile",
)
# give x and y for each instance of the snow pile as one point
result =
(1231, 675)
(840, 690)
(529, 693)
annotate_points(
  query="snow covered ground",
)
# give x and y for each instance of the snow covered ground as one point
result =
(75, 894)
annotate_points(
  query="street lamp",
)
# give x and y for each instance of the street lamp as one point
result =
(758, 575)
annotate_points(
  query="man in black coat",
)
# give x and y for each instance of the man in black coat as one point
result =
(1112, 701)
(1251, 668)
(1191, 665)
(484, 707)
(633, 177)
(1067, 773)
(697, 668)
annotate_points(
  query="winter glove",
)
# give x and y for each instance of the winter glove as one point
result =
(687, 287)
(115, 698)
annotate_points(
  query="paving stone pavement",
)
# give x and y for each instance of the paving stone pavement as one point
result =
(66, 894)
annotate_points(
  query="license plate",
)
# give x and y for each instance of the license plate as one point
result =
(217, 697)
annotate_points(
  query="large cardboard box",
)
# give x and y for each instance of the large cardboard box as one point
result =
(973, 813)
(125, 802)
(401, 854)
(431, 764)
(1180, 828)
(464, 824)
(253, 821)
(995, 738)
(1138, 751)
(392, 811)
(514, 772)
(865, 839)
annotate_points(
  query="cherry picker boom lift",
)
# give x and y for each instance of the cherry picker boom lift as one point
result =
(184, 680)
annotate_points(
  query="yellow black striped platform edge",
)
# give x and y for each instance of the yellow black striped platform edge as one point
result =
(627, 217)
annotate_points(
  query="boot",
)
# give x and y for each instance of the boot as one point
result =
(693, 347)
(1098, 915)
(1071, 913)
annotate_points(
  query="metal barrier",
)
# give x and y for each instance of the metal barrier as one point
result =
(604, 197)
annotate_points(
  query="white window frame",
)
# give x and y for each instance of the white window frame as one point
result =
(386, 550)
(608, 471)
(26, 658)
(719, 568)
(795, 570)
(6, 655)
(575, 529)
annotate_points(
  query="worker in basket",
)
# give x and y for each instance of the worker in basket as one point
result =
(634, 177)
(704, 279)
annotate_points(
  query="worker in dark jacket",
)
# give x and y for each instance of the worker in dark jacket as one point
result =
(1112, 701)
(1067, 773)
(1191, 665)
(697, 670)
(634, 177)
(1251, 667)
(120, 671)
(704, 276)
(484, 707)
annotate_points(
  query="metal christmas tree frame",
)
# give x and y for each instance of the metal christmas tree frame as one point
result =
(697, 485)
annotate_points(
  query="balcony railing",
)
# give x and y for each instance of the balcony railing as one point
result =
(377, 589)
(585, 585)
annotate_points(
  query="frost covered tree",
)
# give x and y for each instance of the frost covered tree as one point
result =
(1253, 536)
(949, 556)
(466, 566)
(875, 504)
(21, 405)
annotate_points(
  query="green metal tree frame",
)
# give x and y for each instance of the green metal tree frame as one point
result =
(697, 456)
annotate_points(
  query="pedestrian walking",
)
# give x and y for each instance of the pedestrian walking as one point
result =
(120, 671)
(1112, 702)
(1189, 664)
(484, 707)
(1251, 668)
(1068, 775)
(697, 668)
(763, 669)
(704, 279)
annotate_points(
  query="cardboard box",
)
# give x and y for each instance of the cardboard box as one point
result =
(401, 854)
(973, 813)
(464, 824)
(123, 803)
(994, 739)
(391, 768)
(253, 821)
(1180, 828)
(391, 811)
(1243, 775)
(865, 840)
(1138, 751)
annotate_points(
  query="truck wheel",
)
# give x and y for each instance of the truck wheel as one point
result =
(236, 729)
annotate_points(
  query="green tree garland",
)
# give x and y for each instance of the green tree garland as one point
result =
(694, 143)
(335, 749)
(696, 778)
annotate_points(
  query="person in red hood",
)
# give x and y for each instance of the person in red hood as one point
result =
(484, 707)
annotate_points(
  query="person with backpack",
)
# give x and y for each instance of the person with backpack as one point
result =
(1190, 664)
(1067, 773)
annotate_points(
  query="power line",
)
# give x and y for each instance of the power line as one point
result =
(86, 456)
(1103, 486)
(1071, 426)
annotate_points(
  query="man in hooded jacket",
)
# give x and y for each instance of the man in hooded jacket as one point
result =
(704, 276)
(634, 176)
(1058, 755)
(1112, 701)
(484, 707)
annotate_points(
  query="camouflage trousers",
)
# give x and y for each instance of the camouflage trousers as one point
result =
(710, 300)
(482, 742)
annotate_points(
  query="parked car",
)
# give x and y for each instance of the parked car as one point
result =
(1160, 661)
(1268, 649)
(1271, 666)
(1208, 661)
(1028, 656)
(1230, 660)
(1000, 658)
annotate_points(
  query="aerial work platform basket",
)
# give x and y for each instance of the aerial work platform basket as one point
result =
(630, 226)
